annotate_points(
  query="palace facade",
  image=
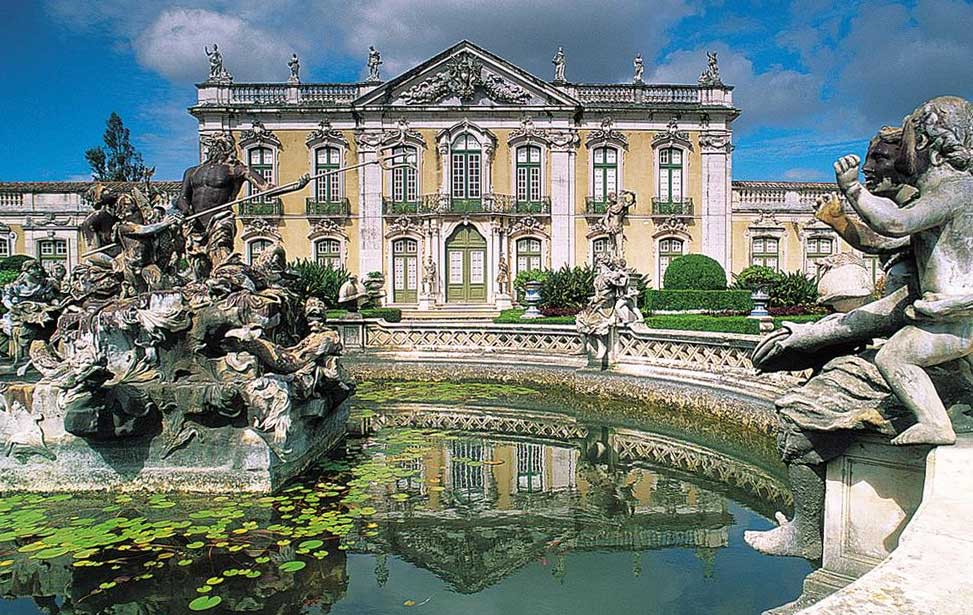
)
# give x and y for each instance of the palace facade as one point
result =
(511, 171)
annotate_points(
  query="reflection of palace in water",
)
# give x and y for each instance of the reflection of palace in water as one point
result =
(531, 486)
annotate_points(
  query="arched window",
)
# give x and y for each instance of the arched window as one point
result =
(405, 270)
(528, 174)
(255, 247)
(528, 254)
(261, 161)
(405, 181)
(327, 252)
(669, 249)
(327, 189)
(599, 249)
(466, 170)
(605, 168)
(816, 250)
(765, 251)
(670, 175)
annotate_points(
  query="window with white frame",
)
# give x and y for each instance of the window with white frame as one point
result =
(466, 468)
(528, 254)
(528, 174)
(604, 173)
(261, 161)
(765, 251)
(405, 270)
(530, 467)
(599, 249)
(670, 249)
(327, 252)
(816, 249)
(465, 176)
(6, 249)
(51, 251)
(327, 189)
(670, 175)
(405, 180)
(256, 247)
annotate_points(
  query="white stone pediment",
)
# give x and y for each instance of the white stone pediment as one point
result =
(466, 76)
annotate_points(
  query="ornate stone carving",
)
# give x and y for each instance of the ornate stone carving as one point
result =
(711, 76)
(672, 225)
(260, 227)
(527, 131)
(294, 65)
(402, 225)
(715, 142)
(217, 72)
(324, 133)
(258, 134)
(563, 139)
(613, 304)
(462, 76)
(672, 135)
(322, 227)
(527, 224)
(374, 62)
(606, 134)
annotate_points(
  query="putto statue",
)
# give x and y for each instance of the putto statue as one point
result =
(914, 210)
(374, 62)
(639, 66)
(217, 72)
(559, 62)
(295, 65)
(168, 359)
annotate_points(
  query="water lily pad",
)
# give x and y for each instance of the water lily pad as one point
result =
(292, 566)
(204, 603)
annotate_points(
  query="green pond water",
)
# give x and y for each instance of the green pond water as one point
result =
(470, 498)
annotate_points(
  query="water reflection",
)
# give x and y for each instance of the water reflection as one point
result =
(479, 498)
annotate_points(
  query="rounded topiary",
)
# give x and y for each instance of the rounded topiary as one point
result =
(694, 272)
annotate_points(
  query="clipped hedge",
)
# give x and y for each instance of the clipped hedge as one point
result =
(14, 262)
(694, 272)
(697, 322)
(513, 317)
(7, 276)
(710, 300)
(386, 313)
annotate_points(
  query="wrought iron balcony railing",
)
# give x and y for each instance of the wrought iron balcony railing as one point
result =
(391, 207)
(339, 208)
(594, 206)
(445, 204)
(541, 206)
(265, 208)
(679, 208)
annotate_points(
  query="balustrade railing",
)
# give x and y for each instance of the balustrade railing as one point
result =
(258, 94)
(328, 93)
(270, 208)
(672, 208)
(594, 206)
(11, 199)
(638, 93)
(337, 209)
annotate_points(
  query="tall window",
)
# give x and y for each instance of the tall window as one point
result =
(530, 467)
(327, 189)
(51, 251)
(405, 270)
(817, 249)
(765, 251)
(466, 168)
(327, 252)
(528, 254)
(528, 174)
(466, 468)
(405, 181)
(669, 249)
(670, 175)
(599, 248)
(261, 161)
(605, 168)
(5, 248)
(256, 247)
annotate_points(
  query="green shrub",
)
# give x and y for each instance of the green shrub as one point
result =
(14, 262)
(535, 275)
(321, 281)
(7, 276)
(513, 317)
(385, 313)
(710, 300)
(694, 272)
(568, 287)
(699, 322)
(756, 276)
(793, 289)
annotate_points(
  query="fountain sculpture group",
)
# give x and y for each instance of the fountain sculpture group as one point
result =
(165, 360)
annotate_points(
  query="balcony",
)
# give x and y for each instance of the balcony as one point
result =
(327, 209)
(445, 204)
(680, 208)
(265, 208)
(594, 207)
(399, 208)
(540, 207)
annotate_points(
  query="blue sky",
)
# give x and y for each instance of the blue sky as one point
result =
(814, 79)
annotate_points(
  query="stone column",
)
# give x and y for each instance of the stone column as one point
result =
(369, 204)
(716, 153)
(443, 149)
(564, 145)
(486, 186)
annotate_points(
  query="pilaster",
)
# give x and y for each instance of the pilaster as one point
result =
(564, 145)
(370, 203)
(716, 153)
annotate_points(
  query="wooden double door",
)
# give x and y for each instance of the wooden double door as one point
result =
(466, 258)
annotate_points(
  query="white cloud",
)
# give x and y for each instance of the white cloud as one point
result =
(806, 174)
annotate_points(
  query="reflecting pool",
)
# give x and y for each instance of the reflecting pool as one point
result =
(473, 498)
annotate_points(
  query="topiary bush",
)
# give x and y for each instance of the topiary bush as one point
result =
(568, 287)
(317, 280)
(14, 262)
(794, 289)
(694, 272)
(708, 300)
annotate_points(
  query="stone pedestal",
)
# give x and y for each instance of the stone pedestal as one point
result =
(425, 302)
(503, 301)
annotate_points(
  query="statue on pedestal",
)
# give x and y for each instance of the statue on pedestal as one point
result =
(429, 276)
(613, 219)
(294, 64)
(639, 67)
(559, 62)
(374, 62)
(915, 209)
(503, 276)
(217, 72)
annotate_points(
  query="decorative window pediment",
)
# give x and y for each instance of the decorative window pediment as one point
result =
(259, 227)
(401, 134)
(528, 225)
(528, 133)
(606, 134)
(672, 136)
(487, 139)
(326, 227)
(324, 134)
(258, 134)
(767, 225)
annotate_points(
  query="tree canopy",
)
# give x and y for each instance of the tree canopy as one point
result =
(117, 160)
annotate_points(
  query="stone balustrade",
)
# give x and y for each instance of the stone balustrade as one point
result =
(780, 195)
(638, 93)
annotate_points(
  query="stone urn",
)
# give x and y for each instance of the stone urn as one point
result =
(532, 299)
(760, 297)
